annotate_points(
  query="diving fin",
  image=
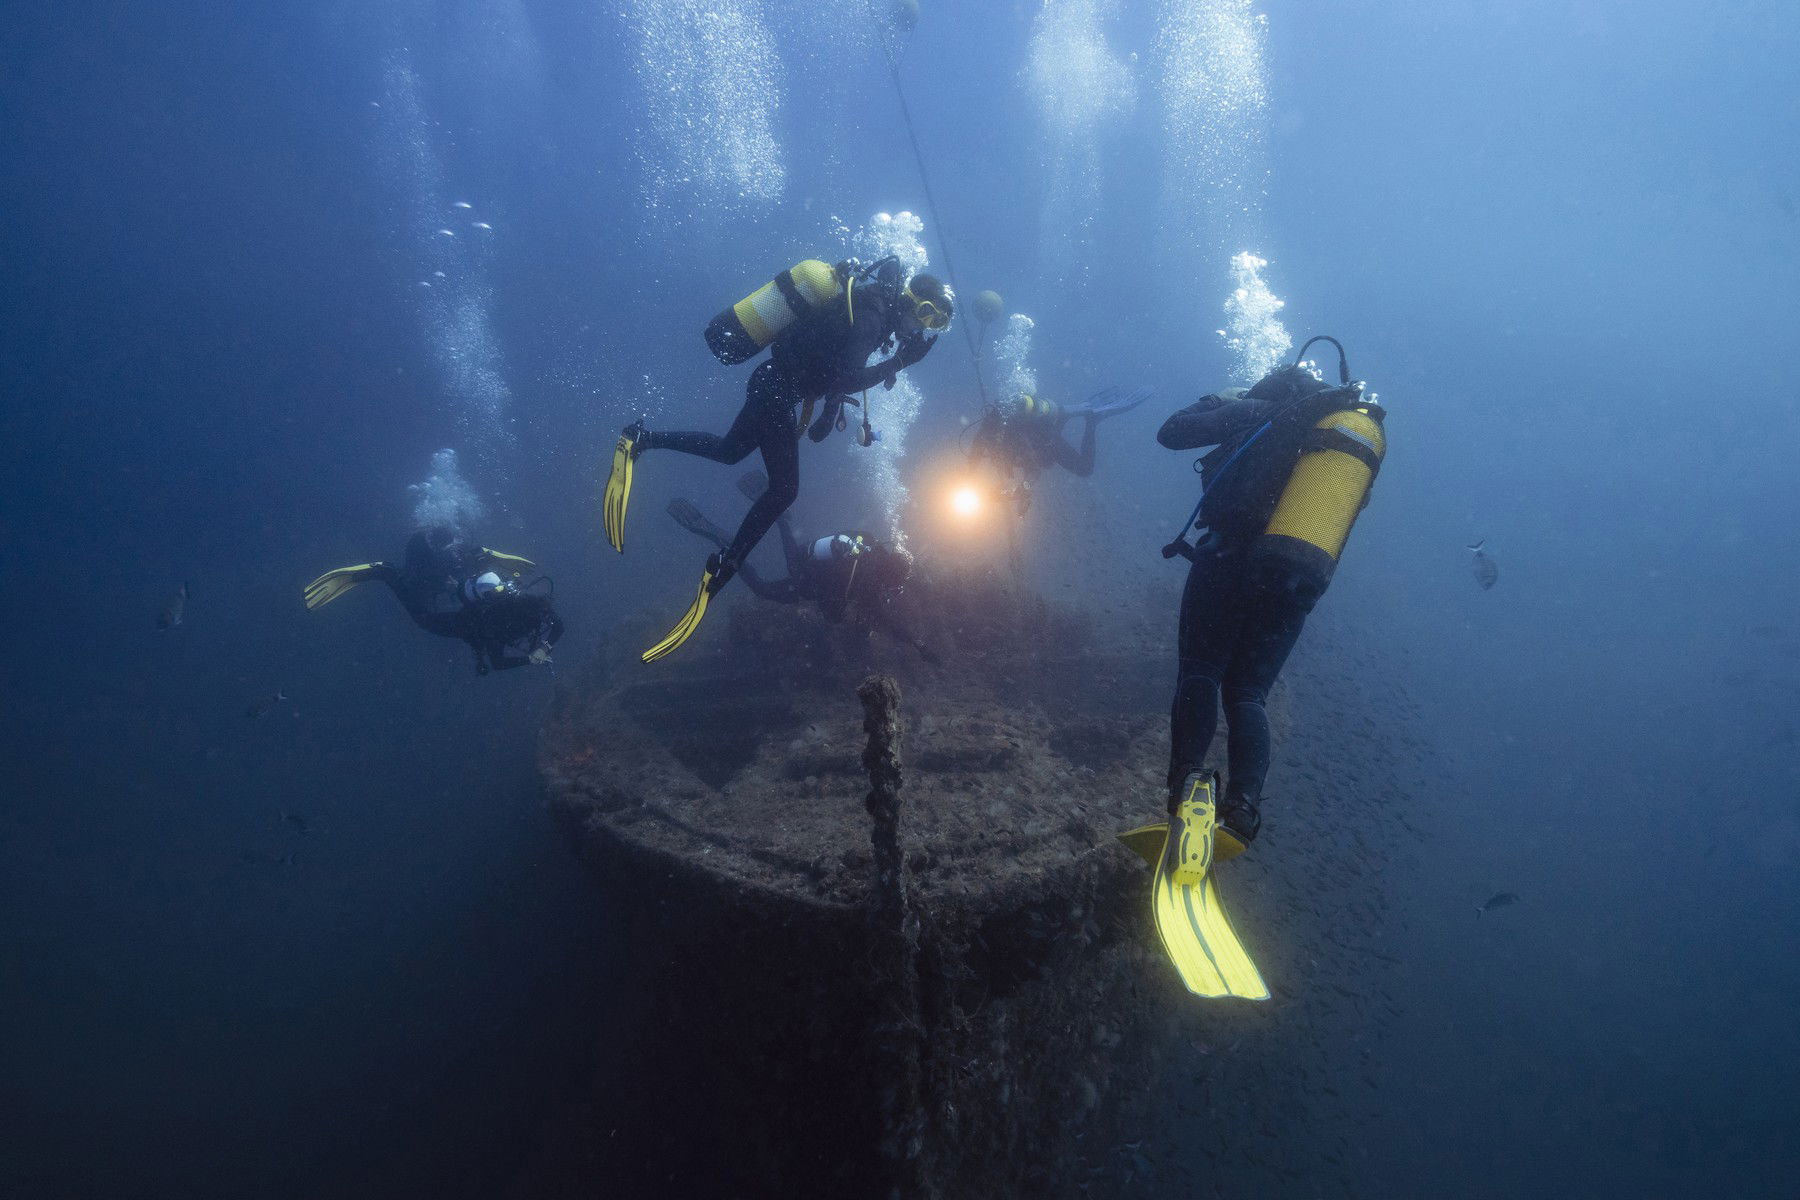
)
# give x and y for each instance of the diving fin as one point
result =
(510, 558)
(1190, 919)
(753, 484)
(618, 484)
(695, 522)
(332, 584)
(1146, 841)
(690, 621)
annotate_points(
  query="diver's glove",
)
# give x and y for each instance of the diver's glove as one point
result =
(911, 350)
(820, 429)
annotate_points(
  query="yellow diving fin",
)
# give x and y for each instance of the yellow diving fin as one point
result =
(1190, 919)
(1146, 841)
(511, 558)
(690, 621)
(332, 584)
(618, 485)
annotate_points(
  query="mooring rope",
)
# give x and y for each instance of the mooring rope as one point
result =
(912, 137)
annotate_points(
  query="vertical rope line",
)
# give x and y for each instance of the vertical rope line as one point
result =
(937, 219)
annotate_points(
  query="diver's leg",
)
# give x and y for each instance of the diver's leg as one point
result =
(421, 559)
(1210, 617)
(738, 441)
(791, 550)
(415, 590)
(781, 459)
(779, 591)
(1277, 615)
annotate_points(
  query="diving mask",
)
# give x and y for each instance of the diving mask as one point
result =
(929, 313)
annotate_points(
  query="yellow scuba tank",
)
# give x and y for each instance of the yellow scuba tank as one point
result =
(1339, 459)
(1041, 410)
(742, 330)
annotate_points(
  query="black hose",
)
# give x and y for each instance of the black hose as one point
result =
(1343, 361)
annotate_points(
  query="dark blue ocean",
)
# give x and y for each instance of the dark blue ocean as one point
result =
(262, 264)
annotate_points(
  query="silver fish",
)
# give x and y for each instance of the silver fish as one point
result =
(1487, 571)
(1497, 900)
(172, 612)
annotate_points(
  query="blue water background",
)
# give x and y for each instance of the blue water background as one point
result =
(1560, 239)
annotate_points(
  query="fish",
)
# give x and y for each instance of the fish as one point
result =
(172, 612)
(1497, 900)
(484, 225)
(263, 708)
(447, 233)
(462, 204)
(300, 823)
(1487, 571)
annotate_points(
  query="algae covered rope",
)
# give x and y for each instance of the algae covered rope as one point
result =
(900, 1034)
(912, 137)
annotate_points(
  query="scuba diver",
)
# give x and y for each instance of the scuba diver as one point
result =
(1291, 466)
(457, 590)
(822, 324)
(1292, 463)
(1027, 440)
(840, 572)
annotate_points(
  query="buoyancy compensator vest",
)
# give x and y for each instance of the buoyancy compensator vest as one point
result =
(738, 333)
(1296, 481)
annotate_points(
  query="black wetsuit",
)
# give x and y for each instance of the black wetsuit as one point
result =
(837, 580)
(502, 630)
(1239, 620)
(1032, 445)
(823, 357)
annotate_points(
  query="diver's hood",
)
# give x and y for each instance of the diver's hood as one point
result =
(1286, 383)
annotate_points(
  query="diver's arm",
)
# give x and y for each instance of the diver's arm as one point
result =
(911, 350)
(779, 591)
(886, 616)
(505, 655)
(1209, 421)
(503, 658)
(1076, 462)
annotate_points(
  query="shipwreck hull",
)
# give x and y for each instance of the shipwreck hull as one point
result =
(789, 1034)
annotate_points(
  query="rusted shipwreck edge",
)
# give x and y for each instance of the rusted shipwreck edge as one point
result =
(972, 1007)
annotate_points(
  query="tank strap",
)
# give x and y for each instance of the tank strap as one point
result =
(1343, 442)
(784, 283)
